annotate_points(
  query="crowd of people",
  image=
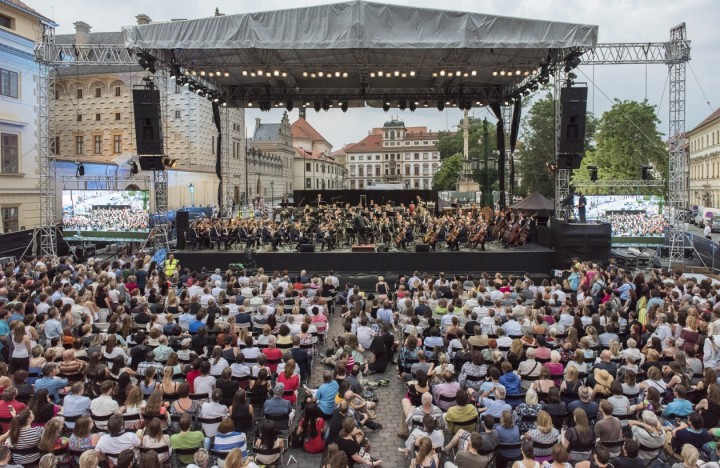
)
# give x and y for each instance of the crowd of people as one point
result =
(636, 224)
(108, 219)
(130, 363)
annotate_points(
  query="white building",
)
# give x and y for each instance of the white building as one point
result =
(94, 125)
(704, 141)
(271, 171)
(393, 154)
(315, 166)
(20, 28)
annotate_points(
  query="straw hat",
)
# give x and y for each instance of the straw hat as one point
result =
(603, 377)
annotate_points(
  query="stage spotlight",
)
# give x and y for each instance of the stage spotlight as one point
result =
(143, 63)
(289, 105)
(134, 168)
(441, 106)
(317, 106)
(402, 104)
(386, 106)
(413, 106)
(326, 105)
(412, 73)
(593, 170)
(344, 106)
(495, 73)
(534, 86)
(425, 104)
(645, 171)
(80, 170)
(171, 163)
(526, 92)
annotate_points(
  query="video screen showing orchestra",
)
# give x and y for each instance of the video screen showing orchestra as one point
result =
(97, 213)
(629, 215)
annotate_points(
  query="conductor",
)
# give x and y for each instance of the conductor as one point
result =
(360, 228)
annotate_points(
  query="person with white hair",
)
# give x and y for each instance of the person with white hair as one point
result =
(633, 352)
(711, 347)
(649, 435)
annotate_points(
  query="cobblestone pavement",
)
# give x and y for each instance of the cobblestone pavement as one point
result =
(384, 443)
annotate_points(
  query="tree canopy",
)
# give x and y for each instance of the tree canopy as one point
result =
(538, 147)
(627, 138)
(447, 174)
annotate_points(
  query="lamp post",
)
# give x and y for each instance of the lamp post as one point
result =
(191, 188)
(272, 194)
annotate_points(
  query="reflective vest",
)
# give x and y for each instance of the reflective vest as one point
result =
(171, 266)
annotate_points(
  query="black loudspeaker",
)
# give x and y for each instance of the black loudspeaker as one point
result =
(307, 247)
(422, 248)
(584, 241)
(569, 161)
(148, 132)
(182, 224)
(151, 163)
(382, 248)
(572, 124)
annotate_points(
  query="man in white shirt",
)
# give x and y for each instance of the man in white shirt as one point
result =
(195, 290)
(512, 327)
(104, 405)
(206, 297)
(364, 333)
(117, 439)
(217, 289)
(213, 409)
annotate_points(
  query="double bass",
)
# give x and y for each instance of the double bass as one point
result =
(450, 239)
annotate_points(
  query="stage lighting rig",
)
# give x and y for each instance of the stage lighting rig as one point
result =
(441, 105)
(413, 106)
(134, 168)
(402, 104)
(344, 106)
(317, 105)
(386, 106)
(289, 105)
(593, 170)
(80, 169)
(326, 105)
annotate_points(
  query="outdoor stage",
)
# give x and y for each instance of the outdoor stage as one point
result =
(532, 259)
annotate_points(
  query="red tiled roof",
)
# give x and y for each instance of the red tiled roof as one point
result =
(369, 143)
(302, 129)
(712, 117)
(302, 153)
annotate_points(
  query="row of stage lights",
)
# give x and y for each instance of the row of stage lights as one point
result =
(343, 74)
(402, 104)
(186, 79)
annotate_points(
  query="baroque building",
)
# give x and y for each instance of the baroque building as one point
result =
(315, 166)
(393, 154)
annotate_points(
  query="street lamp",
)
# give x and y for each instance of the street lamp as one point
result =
(191, 188)
(272, 194)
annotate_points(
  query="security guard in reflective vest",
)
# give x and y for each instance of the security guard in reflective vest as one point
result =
(171, 265)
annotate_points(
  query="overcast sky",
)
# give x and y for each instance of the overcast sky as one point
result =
(618, 21)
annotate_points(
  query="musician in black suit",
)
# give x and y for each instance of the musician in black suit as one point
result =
(272, 236)
(407, 236)
(191, 237)
(246, 235)
(360, 228)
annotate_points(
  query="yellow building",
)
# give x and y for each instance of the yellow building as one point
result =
(704, 141)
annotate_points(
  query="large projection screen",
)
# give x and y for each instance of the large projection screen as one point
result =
(105, 215)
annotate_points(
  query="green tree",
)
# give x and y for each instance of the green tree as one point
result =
(447, 174)
(538, 147)
(627, 138)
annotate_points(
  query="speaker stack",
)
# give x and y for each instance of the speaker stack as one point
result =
(571, 146)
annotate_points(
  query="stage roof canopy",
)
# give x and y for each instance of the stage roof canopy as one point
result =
(364, 53)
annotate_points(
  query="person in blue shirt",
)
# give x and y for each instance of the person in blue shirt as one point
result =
(385, 314)
(510, 380)
(195, 325)
(326, 394)
(679, 407)
(51, 382)
(4, 329)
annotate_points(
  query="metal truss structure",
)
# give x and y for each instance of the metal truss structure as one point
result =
(109, 182)
(675, 54)
(635, 184)
(46, 90)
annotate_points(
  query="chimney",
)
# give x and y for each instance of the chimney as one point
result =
(301, 113)
(142, 18)
(82, 33)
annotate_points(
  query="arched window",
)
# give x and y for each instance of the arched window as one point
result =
(392, 134)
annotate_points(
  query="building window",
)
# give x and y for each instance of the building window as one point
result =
(98, 92)
(79, 117)
(177, 114)
(55, 146)
(7, 22)
(361, 171)
(57, 94)
(117, 91)
(9, 153)
(352, 158)
(178, 88)
(97, 144)
(79, 93)
(417, 171)
(308, 166)
(117, 115)
(10, 219)
(308, 183)
(8, 83)
(79, 145)
(407, 170)
(117, 144)
(97, 117)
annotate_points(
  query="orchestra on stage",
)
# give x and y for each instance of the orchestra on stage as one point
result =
(335, 226)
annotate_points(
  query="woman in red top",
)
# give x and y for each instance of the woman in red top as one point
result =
(290, 380)
(273, 354)
(311, 429)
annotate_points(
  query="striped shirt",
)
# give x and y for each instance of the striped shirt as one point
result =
(226, 442)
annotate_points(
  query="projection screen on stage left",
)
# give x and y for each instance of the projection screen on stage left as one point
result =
(106, 215)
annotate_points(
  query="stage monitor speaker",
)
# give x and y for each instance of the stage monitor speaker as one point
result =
(572, 122)
(182, 224)
(151, 163)
(569, 161)
(307, 247)
(422, 248)
(148, 131)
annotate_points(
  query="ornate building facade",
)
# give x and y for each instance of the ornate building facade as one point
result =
(393, 154)
(271, 170)
(704, 147)
(315, 166)
(94, 124)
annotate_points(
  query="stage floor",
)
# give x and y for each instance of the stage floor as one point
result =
(532, 259)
